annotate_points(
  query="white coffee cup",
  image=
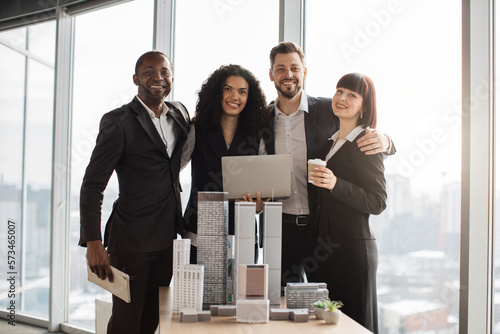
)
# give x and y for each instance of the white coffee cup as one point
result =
(311, 165)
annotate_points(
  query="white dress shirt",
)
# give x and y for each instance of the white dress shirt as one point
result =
(337, 143)
(164, 125)
(290, 138)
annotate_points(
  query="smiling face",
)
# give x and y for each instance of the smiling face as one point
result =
(347, 104)
(234, 95)
(154, 79)
(288, 74)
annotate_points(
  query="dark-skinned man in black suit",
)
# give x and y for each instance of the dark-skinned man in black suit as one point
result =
(142, 142)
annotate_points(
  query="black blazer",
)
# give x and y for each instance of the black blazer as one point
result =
(319, 126)
(147, 213)
(206, 166)
(360, 191)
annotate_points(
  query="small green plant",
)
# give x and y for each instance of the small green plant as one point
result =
(320, 304)
(333, 305)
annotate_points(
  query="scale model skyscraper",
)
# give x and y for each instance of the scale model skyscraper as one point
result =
(244, 232)
(212, 245)
(187, 279)
(272, 249)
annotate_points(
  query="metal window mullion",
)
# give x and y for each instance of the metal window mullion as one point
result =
(164, 32)
(291, 25)
(24, 186)
(26, 53)
(476, 259)
(60, 172)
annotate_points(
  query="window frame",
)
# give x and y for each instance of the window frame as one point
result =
(30, 59)
(476, 239)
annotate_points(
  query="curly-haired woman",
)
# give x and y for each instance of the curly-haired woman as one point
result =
(231, 115)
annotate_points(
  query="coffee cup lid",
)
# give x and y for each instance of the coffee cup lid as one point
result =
(317, 162)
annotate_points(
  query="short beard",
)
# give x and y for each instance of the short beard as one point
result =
(155, 99)
(286, 95)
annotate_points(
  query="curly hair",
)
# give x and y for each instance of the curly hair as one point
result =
(209, 111)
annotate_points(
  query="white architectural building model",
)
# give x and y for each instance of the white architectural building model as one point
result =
(252, 311)
(304, 295)
(252, 281)
(252, 305)
(212, 245)
(231, 284)
(182, 252)
(272, 250)
(187, 279)
(244, 232)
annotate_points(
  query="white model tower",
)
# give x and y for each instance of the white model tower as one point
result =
(244, 233)
(252, 281)
(182, 252)
(252, 305)
(272, 249)
(187, 279)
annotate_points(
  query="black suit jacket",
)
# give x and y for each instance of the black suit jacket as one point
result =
(147, 213)
(320, 124)
(344, 212)
(206, 166)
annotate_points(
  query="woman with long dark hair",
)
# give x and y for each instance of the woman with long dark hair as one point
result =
(230, 117)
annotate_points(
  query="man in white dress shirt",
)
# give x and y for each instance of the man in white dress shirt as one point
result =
(142, 142)
(302, 126)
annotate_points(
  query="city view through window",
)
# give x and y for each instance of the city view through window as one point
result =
(417, 78)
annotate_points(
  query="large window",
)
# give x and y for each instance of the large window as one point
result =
(107, 45)
(26, 95)
(415, 64)
(226, 32)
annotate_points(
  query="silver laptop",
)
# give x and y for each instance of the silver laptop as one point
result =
(269, 174)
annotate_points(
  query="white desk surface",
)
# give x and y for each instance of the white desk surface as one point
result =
(170, 323)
